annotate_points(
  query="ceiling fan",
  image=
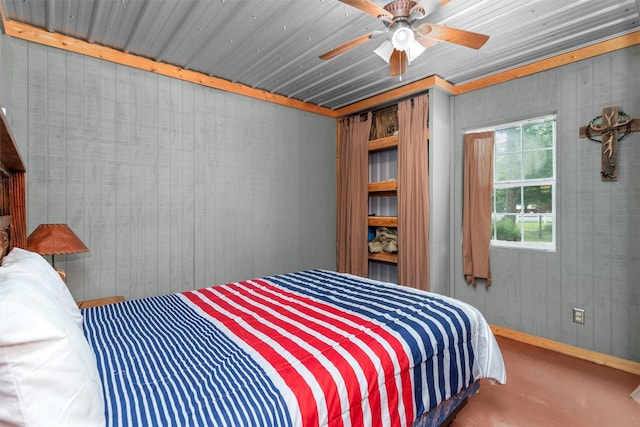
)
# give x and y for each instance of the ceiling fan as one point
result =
(406, 41)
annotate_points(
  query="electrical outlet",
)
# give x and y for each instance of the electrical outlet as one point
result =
(578, 315)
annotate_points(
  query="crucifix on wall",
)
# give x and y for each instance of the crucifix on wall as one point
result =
(608, 129)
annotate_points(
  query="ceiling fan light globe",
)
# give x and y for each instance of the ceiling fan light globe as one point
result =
(384, 51)
(415, 50)
(402, 38)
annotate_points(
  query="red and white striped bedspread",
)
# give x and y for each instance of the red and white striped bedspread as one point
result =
(303, 349)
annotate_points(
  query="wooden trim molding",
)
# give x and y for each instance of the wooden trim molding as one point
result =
(569, 350)
(38, 35)
(397, 94)
(556, 61)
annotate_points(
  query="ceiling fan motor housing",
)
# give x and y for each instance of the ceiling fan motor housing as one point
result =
(402, 9)
(404, 12)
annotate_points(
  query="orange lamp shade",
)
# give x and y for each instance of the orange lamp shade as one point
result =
(55, 239)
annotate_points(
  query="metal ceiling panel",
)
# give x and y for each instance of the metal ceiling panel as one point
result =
(274, 45)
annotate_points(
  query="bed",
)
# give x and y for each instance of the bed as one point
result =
(306, 348)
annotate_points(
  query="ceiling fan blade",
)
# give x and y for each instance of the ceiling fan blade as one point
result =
(425, 8)
(346, 46)
(426, 41)
(431, 5)
(398, 63)
(367, 7)
(452, 35)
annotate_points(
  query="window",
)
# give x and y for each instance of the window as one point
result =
(524, 184)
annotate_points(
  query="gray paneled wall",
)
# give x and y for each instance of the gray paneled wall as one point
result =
(175, 186)
(597, 262)
(172, 185)
(440, 191)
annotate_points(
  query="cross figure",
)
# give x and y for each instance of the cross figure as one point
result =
(608, 129)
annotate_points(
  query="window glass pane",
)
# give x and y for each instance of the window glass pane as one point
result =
(538, 199)
(508, 167)
(538, 164)
(500, 142)
(508, 200)
(538, 219)
(508, 140)
(507, 228)
(538, 135)
(538, 228)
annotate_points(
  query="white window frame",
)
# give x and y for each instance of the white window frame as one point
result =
(546, 246)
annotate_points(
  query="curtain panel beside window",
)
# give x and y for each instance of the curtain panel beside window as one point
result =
(352, 197)
(476, 217)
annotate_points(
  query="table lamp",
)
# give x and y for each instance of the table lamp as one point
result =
(55, 239)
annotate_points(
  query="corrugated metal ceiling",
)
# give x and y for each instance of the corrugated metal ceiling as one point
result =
(274, 45)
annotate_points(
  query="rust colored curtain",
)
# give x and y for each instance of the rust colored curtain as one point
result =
(476, 217)
(413, 193)
(352, 200)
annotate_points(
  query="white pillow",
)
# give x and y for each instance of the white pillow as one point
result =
(34, 264)
(48, 371)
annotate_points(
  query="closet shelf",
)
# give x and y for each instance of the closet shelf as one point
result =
(387, 187)
(383, 221)
(386, 143)
(385, 257)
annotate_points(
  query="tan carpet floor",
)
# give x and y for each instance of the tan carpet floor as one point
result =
(545, 388)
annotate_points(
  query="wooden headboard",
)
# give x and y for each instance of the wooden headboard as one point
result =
(13, 214)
